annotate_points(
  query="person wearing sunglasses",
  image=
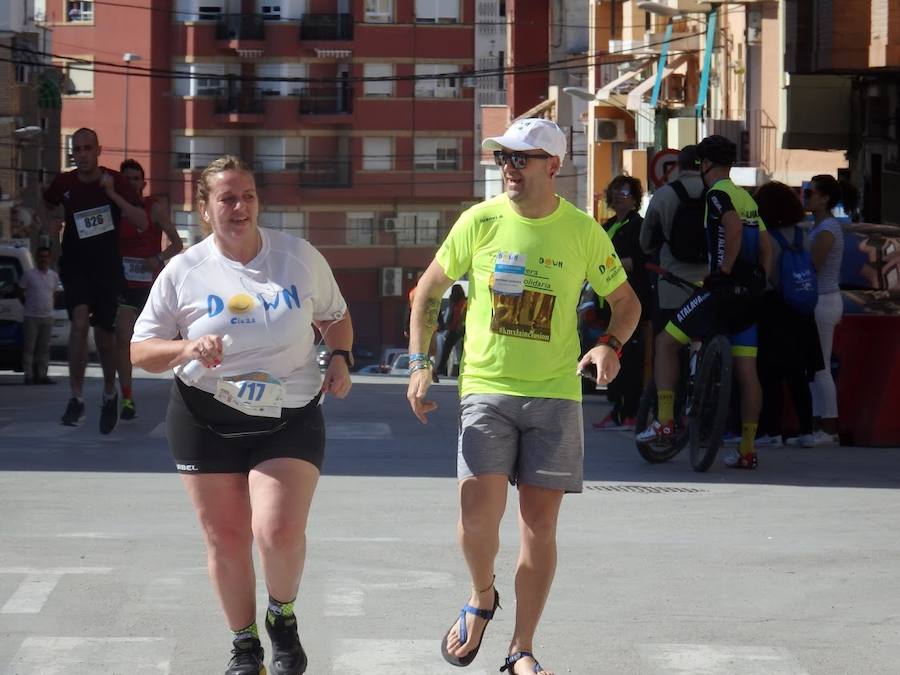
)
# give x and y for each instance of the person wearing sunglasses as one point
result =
(527, 254)
(623, 196)
(827, 251)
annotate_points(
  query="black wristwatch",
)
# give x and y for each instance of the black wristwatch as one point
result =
(348, 357)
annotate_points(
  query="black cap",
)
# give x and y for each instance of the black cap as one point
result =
(688, 159)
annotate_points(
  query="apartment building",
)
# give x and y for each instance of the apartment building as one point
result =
(670, 72)
(352, 112)
(29, 122)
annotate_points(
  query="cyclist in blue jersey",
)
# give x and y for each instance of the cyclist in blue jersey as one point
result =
(740, 256)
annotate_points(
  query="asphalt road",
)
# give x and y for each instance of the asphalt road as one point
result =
(789, 570)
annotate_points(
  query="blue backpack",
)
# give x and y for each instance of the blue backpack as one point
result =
(798, 284)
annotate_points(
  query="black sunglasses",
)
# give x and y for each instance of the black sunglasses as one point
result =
(517, 159)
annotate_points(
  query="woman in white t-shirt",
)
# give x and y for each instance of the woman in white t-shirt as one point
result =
(245, 428)
(827, 252)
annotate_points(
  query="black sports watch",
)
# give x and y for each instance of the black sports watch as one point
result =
(348, 357)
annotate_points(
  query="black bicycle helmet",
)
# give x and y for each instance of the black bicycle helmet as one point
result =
(718, 150)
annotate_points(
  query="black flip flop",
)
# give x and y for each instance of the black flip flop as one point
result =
(486, 614)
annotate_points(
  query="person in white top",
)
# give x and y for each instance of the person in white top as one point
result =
(38, 285)
(827, 237)
(244, 422)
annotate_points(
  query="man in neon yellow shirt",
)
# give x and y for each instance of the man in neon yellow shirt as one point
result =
(527, 254)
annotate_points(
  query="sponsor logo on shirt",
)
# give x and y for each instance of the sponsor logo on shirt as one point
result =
(244, 303)
(611, 262)
(550, 262)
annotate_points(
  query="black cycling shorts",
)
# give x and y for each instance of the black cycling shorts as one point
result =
(135, 298)
(100, 294)
(206, 436)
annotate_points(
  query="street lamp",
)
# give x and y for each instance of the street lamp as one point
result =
(127, 57)
(27, 132)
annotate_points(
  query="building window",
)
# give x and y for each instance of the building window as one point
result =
(280, 153)
(79, 11)
(269, 12)
(203, 79)
(418, 228)
(187, 224)
(68, 154)
(78, 78)
(286, 10)
(196, 152)
(437, 11)
(360, 228)
(286, 79)
(377, 154)
(21, 73)
(440, 87)
(379, 11)
(209, 12)
(292, 222)
(437, 154)
(378, 87)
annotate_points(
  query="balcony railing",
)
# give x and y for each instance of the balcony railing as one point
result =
(237, 102)
(326, 27)
(326, 173)
(336, 100)
(241, 27)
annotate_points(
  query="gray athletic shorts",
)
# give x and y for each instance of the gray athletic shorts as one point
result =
(534, 441)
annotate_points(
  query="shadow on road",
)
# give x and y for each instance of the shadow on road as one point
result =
(373, 433)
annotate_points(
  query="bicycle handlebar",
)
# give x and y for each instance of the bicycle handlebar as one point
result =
(668, 276)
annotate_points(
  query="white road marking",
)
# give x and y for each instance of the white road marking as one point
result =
(37, 429)
(688, 659)
(398, 657)
(33, 591)
(344, 601)
(85, 656)
(358, 431)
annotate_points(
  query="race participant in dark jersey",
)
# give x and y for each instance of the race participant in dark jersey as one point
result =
(93, 199)
(142, 260)
(740, 255)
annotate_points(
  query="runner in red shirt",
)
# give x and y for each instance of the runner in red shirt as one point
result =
(93, 200)
(142, 260)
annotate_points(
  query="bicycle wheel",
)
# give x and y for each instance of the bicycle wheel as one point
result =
(645, 415)
(709, 409)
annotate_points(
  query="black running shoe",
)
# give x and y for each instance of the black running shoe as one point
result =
(74, 412)
(288, 657)
(109, 414)
(247, 658)
(129, 412)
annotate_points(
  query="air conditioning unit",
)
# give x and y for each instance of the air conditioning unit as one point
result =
(611, 131)
(391, 281)
(389, 225)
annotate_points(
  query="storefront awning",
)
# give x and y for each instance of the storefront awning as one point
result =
(635, 95)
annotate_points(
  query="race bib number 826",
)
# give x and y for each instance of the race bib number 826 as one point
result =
(92, 222)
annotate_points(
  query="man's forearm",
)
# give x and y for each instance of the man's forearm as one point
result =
(135, 214)
(423, 322)
(626, 314)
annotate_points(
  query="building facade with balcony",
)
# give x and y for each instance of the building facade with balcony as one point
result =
(686, 69)
(351, 112)
(29, 122)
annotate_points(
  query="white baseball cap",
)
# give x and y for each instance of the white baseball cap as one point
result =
(532, 133)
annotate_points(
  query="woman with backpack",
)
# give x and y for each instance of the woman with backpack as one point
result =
(623, 196)
(789, 350)
(827, 251)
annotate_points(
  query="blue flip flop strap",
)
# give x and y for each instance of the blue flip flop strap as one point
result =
(486, 614)
(513, 658)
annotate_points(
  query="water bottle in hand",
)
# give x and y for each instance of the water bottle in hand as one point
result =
(193, 370)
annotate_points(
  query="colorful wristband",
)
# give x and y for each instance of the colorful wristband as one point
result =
(418, 356)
